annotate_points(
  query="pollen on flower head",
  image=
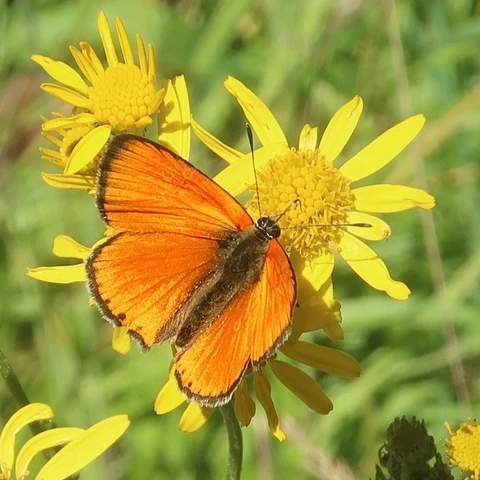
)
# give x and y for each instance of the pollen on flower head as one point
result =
(463, 447)
(323, 196)
(120, 96)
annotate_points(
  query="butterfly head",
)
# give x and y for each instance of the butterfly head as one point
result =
(268, 227)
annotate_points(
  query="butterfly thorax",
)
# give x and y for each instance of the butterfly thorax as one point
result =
(240, 259)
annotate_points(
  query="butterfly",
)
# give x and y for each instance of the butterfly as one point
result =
(187, 265)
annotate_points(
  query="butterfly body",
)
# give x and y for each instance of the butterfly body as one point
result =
(189, 266)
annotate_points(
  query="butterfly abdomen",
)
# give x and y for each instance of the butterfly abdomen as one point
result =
(241, 258)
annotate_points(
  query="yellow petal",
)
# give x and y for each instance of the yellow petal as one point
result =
(391, 198)
(229, 154)
(121, 341)
(76, 182)
(107, 41)
(68, 122)
(84, 449)
(316, 315)
(378, 229)
(26, 415)
(124, 43)
(87, 149)
(174, 118)
(370, 267)
(319, 270)
(52, 139)
(169, 397)
(244, 404)
(194, 417)
(263, 392)
(258, 114)
(142, 123)
(383, 150)
(62, 274)
(325, 359)
(65, 95)
(51, 438)
(152, 63)
(156, 101)
(62, 73)
(308, 138)
(84, 65)
(239, 175)
(91, 56)
(340, 128)
(302, 386)
(142, 55)
(66, 247)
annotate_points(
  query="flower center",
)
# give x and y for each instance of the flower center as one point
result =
(463, 447)
(324, 195)
(120, 96)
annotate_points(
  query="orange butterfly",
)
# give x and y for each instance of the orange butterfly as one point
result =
(189, 266)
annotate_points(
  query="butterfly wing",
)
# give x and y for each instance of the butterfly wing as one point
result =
(169, 217)
(247, 333)
(144, 187)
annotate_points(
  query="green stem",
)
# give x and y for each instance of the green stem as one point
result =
(20, 396)
(235, 441)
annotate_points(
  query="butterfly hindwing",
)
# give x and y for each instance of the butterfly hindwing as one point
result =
(247, 333)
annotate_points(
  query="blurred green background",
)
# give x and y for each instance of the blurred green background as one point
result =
(304, 59)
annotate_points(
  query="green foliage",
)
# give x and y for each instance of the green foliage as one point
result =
(304, 59)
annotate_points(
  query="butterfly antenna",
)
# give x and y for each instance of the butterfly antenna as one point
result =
(250, 141)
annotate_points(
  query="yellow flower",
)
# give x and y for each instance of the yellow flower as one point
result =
(177, 113)
(463, 448)
(321, 358)
(120, 98)
(80, 447)
(325, 194)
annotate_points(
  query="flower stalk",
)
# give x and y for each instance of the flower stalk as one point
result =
(235, 442)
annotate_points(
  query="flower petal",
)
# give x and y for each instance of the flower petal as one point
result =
(370, 267)
(89, 53)
(239, 175)
(325, 359)
(84, 449)
(229, 154)
(152, 62)
(48, 439)
(62, 274)
(258, 114)
(378, 229)
(174, 118)
(319, 270)
(84, 65)
(65, 95)
(169, 397)
(194, 417)
(107, 40)
(156, 101)
(142, 55)
(68, 122)
(124, 42)
(308, 138)
(66, 247)
(87, 149)
(121, 341)
(76, 182)
(340, 128)
(391, 198)
(383, 150)
(317, 314)
(26, 415)
(302, 386)
(62, 73)
(263, 392)
(244, 404)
